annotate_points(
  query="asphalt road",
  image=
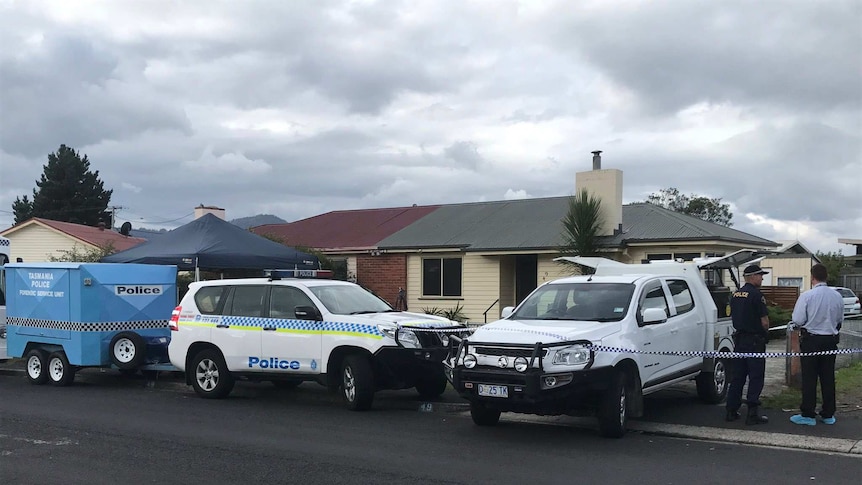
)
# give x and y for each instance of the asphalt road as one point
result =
(107, 430)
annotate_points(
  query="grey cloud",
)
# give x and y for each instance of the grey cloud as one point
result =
(792, 54)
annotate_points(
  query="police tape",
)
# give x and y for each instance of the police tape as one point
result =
(723, 355)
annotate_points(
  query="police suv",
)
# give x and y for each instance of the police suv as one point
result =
(292, 330)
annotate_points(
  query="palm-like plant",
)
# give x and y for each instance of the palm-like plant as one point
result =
(582, 225)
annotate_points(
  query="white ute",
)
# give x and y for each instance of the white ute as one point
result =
(541, 357)
(292, 330)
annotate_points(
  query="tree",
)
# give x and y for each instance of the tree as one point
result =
(84, 255)
(582, 225)
(834, 263)
(68, 192)
(711, 210)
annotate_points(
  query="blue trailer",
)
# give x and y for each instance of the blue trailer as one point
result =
(65, 316)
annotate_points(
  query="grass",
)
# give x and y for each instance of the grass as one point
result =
(848, 389)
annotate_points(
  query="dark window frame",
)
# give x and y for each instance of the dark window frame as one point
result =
(453, 287)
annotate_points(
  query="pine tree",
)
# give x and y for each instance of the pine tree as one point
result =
(68, 192)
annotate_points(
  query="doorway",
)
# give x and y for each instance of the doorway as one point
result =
(526, 275)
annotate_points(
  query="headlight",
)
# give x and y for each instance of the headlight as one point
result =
(387, 330)
(521, 364)
(407, 338)
(469, 361)
(574, 355)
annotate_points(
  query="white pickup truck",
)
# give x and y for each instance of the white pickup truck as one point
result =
(594, 344)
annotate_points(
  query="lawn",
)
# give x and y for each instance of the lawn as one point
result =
(848, 392)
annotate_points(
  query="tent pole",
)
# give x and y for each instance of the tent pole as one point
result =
(197, 270)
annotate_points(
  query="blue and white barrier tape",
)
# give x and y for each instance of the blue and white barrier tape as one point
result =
(724, 355)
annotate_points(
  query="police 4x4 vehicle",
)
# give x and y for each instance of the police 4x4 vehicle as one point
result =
(599, 343)
(290, 330)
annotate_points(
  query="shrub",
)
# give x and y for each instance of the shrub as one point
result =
(456, 314)
(778, 316)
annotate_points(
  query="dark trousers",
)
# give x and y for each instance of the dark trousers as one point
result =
(820, 367)
(753, 369)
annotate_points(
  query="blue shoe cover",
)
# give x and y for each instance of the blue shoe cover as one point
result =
(828, 420)
(800, 419)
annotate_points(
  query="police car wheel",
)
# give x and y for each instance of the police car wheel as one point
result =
(712, 387)
(128, 350)
(37, 367)
(432, 385)
(60, 373)
(357, 383)
(613, 408)
(483, 415)
(210, 377)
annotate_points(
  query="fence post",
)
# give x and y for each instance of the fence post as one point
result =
(793, 366)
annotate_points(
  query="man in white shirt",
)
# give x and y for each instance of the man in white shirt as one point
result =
(819, 313)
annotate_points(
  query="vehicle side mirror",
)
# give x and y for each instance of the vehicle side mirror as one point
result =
(507, 312)
(654, 315)
(308, 313)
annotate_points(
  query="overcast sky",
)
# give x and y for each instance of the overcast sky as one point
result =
(297, 108)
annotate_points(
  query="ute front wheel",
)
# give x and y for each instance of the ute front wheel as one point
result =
(613, 408)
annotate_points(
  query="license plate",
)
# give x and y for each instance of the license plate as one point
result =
(487, 390)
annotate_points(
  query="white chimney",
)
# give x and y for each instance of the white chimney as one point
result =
(607, 186)
(203, 210)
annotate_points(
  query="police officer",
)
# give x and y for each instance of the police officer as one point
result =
(751, 321)
(819, 313)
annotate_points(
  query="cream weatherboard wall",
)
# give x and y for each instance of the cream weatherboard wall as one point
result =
(789, 268)
(480, 284)
(35, 243)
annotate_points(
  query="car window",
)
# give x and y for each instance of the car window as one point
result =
(846, 293)
(349, 300)
(208, 298)
(284, 299)
(653, 297)
(681, 295)
(247, 301)
(603, 302)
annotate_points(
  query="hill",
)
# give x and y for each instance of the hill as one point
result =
(258, 220)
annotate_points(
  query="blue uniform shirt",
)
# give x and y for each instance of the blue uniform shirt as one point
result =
(747, 307)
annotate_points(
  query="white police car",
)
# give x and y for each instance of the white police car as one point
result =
(292, 330)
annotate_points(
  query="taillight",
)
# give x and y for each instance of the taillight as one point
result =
(175, 319)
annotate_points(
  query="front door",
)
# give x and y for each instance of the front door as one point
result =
(526, 275)
(290, 345)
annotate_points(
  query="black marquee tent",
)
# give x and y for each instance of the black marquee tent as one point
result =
(212, 244)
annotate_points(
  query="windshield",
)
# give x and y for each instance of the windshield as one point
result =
(349, 300)
(603, 302)
(846, 293)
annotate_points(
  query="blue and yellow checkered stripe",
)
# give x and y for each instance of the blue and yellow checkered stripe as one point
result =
(287, 325)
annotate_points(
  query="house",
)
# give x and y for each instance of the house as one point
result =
(485, 256)
(790, 266)
(40, 239)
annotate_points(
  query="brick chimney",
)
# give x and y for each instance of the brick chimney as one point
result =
(606, 185)
(203, 210)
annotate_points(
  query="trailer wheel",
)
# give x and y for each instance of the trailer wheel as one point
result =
(59, 371)
(128, 350)
(37, 367)
(210, 377)
(357, 383)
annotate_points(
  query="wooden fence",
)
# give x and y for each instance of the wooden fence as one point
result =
(782, 296)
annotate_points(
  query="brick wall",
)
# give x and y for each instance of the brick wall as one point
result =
(382, 274)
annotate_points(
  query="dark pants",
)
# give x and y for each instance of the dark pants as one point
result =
(753, 369)
(820, 367)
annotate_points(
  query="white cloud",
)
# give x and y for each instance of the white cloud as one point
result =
(226, 163)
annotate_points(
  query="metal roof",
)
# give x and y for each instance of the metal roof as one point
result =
(95, 236)
(531, 224)
(352, 229)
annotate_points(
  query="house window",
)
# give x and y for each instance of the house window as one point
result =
(797, 282)
(685, 256)
(659, 257)
(441, 277)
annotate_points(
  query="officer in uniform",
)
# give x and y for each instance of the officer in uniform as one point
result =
(751, 322)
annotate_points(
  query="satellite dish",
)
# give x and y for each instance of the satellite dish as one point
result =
(125, 228)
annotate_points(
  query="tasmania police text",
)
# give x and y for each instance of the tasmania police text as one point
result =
(272, 363)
